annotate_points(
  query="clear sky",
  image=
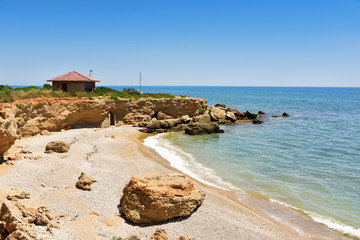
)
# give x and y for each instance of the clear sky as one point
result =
(182, 42)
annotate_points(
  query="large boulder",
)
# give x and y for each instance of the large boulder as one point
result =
(155, 197)
(163, 116)
(203, 128)
(57, 146)
(230, 116)
(217, 114)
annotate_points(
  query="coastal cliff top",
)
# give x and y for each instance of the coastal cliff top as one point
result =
(9, 94)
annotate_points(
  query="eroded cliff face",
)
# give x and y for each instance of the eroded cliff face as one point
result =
(30, 117)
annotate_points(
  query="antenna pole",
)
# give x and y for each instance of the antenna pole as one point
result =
(140, 82)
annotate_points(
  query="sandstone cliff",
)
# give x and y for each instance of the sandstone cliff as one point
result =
(30, 117)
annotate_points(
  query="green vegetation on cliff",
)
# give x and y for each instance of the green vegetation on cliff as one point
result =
(9, 94)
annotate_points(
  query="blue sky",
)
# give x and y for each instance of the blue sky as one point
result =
(182, 42)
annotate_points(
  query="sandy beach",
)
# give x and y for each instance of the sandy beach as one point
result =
(112, 156)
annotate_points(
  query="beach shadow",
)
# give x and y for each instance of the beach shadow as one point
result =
(173, 220)
(2, 160)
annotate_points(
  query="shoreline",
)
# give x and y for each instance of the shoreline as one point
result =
(296, 220)
(112, 156)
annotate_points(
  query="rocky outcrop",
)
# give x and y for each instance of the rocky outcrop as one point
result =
(57, 146)
(203, 128)
(84, 182)
(33, 116)
(17, 220)
(155, 197)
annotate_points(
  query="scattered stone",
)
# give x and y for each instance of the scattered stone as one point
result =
(94, 213)
(45, 133)
(160, 234)
(17, 194)
(62, 215)
(155, 197)
(203, 128)
(23, 151)
(49, 151)
(64, 156)
(217, 114)
(85, 181)
(57, 146)
(186, 238)
(62, 130)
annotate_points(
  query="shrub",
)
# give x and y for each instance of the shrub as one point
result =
(47, 86)
(132, 91)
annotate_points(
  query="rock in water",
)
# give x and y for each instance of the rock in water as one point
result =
(156, 197)
(203, 128)
(285, 115)
(57, 146)
(85, 181)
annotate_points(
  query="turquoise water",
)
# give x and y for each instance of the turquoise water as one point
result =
(310, 161)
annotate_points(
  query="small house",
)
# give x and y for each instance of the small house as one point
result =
(73, 81)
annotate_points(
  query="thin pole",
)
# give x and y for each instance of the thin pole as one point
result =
(140, 82)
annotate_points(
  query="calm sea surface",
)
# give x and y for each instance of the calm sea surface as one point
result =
(310, 161)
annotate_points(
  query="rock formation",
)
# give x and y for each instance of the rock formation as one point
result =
(203, 128)
(17, 194)
(156, 197)
(85, 182)
(57, 146)
(32, 116)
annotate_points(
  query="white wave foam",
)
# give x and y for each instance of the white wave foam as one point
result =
(329, 222)
(186, 163)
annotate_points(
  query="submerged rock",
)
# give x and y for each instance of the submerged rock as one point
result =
(57, 146)
(285, 115)
(155, 197)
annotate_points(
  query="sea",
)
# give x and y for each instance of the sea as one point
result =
(309, 162)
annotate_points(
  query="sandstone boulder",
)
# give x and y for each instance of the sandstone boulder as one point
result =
(17, 194)
(45, 132)
(153, 124)
(160, 234)
(85, 182)
(203, 128)
(155, 197)
(13, 225)
(230, 116)
(204, 118)
(185, 119)
(217, 114)
(163, 116)
(57, 146)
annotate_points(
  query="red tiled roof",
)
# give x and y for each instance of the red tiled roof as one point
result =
(73, 77)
